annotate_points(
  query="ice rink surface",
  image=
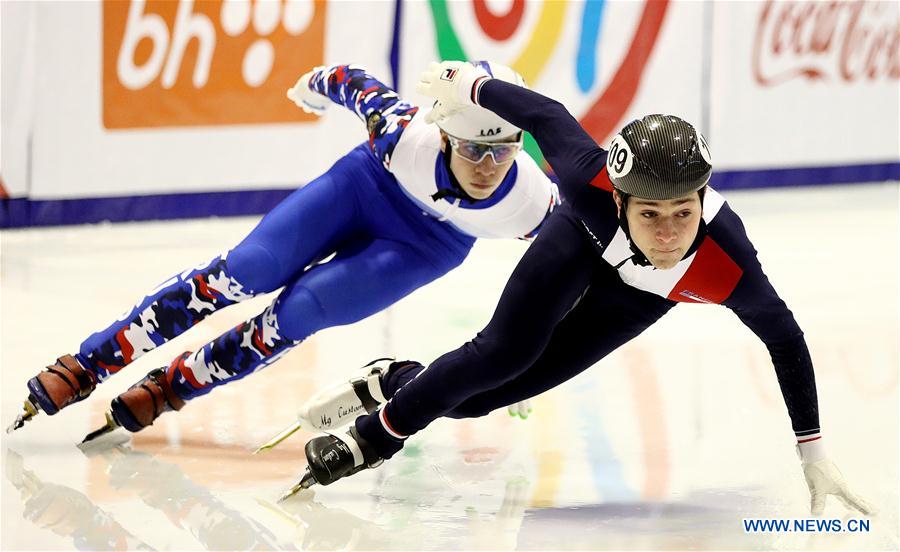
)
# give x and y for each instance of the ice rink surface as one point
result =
(667, 444)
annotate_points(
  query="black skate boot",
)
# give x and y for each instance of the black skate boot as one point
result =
(58, 386)
(140, 405)
(333, 456)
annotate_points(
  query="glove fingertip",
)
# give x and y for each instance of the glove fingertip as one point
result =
(854, 502)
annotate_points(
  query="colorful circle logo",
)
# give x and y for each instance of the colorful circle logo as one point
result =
(605, 113)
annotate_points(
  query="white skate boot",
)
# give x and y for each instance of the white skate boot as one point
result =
(341, 404)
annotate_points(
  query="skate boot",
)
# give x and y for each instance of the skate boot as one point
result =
(333, 456)
(145, 401)
(55, 388)
(340, 404)
(140, 405)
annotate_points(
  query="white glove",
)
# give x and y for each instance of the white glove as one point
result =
(521, 409)
(305, 98)
(450, 83)
(824, 478)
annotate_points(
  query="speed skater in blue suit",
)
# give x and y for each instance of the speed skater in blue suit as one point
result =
(393, 214)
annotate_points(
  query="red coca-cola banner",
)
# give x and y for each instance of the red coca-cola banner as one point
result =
(849, 41)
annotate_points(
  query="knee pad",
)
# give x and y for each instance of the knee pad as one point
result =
(299, 313)
(255, 268)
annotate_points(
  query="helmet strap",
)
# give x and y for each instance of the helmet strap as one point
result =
(702, 193)
(637, 256)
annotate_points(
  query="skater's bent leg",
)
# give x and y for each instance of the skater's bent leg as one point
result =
(169, 310)
(610, 315)
(357, 283)
(306, 226)
(363, 279)
(238, 352)
(546, 283)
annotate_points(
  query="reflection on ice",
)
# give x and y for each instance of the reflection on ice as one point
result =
(67, 512)
(159, 485)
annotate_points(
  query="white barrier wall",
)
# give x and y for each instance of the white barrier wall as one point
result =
(18, 29)
(805, 83)
(135, 98)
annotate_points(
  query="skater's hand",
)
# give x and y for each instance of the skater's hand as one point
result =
(304, 96)
(521, 409)
(824, 478)
(450, 83)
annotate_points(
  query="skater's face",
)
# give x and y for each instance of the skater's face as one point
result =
(480, 167)
(662, 229)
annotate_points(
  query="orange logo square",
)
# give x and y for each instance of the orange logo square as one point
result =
(170, 63)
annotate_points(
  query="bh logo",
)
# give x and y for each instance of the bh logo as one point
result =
(215, 62)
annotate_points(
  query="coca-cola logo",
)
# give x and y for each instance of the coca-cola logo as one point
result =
(850, 40)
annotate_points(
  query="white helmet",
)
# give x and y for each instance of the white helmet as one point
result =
(477, 123)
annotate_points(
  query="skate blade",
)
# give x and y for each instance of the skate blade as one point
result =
(274, 441)
(306, 482)
(108, 427)
(104, 443)
(30, 411)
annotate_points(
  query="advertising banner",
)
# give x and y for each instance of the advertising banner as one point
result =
(142, 109)
(805, 84)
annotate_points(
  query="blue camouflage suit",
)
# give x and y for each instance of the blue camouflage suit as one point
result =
(372, 210)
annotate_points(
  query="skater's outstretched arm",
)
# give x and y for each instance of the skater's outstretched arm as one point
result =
(757, 304)
(385, 114)
(574, 156)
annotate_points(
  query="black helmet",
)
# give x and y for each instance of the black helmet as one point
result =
(659, 157)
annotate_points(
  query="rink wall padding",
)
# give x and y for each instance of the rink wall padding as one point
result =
(805, 176)
(189, 97)
(18, 213)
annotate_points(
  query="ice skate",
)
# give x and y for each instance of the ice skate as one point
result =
(333, 456)
(140, 405)
(340, 404)
(55, 388)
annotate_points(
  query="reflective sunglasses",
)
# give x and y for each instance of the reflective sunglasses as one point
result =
(475, 152)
